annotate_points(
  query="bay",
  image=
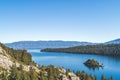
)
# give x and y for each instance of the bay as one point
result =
(74, 62)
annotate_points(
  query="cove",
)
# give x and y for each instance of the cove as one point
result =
(74, 62)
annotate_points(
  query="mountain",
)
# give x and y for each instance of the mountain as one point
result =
(116, 41)
(45, 44)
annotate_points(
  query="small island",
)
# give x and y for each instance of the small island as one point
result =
(91, 63)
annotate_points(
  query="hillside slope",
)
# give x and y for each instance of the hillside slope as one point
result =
(102, 49)
(18, 65)
(116, 41)
(10, 57)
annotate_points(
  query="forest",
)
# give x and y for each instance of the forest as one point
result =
(101, 49)
(17, 73)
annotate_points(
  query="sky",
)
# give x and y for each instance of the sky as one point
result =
(68, 20)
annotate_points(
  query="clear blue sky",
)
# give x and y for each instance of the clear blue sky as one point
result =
(77, 20)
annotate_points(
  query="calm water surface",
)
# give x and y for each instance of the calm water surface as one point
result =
(75, 62)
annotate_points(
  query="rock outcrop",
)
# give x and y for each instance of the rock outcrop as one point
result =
(70, 76)
(6, 62)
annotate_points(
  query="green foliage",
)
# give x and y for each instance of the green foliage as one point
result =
(1, 69)
(33, 74)
(52, 73)
(4, 75)
(19, 55)
(110, 49)
(91, 63)
(46, 73)
(19, 74)
(84, 76)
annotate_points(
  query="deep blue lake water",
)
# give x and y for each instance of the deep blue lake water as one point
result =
(74, 62)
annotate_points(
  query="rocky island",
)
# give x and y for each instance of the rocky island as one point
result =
(91, 63)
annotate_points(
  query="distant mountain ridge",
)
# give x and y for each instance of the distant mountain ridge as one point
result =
(53, 44)
(45, 44)
(116, 41)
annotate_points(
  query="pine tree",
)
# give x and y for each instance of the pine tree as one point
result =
(4, 76)
(33, 75)
(14, 75)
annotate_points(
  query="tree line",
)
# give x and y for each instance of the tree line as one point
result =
(102, 49)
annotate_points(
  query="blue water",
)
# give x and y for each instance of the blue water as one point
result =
(75, 62)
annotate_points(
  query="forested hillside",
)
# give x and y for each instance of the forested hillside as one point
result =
(19, 55)
(102, 49)
(18, 65)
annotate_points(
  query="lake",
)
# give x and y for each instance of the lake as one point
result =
(74, 62)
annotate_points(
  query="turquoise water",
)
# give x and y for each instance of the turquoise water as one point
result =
(74, 62)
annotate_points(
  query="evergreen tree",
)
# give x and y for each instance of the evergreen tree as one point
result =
(33, 75)
(4, 75)
(14, 75)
